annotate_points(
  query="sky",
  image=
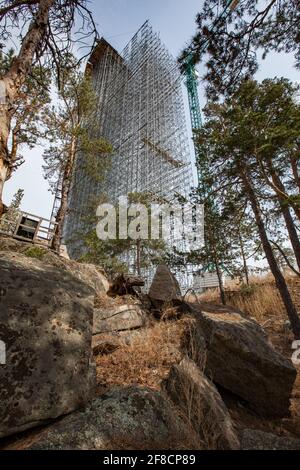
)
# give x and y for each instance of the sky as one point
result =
(117, 21)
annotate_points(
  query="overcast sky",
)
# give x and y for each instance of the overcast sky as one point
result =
(118, 20)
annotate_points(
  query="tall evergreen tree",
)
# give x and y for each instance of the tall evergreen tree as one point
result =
(240, 138)
(70, 129)
(45, 30)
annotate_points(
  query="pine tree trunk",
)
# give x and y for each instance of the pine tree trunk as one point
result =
(286, 214)
(61, 214)
(14, 79)
(279, 278)
(66, 185)
(138, 257)
(220, 280)
(294, 165)
(245, 266)
(3, 176)
(293, 235)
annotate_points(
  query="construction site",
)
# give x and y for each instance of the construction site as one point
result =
(151, 313)
(140, 111)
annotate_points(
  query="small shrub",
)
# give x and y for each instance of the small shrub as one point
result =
(35, 252)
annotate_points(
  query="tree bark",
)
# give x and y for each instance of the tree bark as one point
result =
(245, 266)
(65, 190)
(294, 166)
(13, 80)
(285, 258)
(279, 278)
(286, 214)
(138, 257)
(277, 186)
(220, 280)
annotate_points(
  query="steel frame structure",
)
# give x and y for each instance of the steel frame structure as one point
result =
(140, 111)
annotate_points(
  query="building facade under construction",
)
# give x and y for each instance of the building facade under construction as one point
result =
(140, 112)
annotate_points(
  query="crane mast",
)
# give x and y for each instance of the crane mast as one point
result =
(191, 82)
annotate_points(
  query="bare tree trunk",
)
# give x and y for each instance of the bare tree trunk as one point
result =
(66, 184)
(245, 266)
(294, 165)
(276, 184)
(293, 235)
(286, 214)
(285, 258)
(220, 280)
(14, 79)
(61, 214)
(138, 256)
(279, 278)
(3, 176)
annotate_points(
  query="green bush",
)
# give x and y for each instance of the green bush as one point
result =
(35, 252)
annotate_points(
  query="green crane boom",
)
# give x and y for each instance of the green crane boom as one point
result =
(189, 70)
(192, 88)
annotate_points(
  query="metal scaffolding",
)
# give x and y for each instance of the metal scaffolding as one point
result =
(140, 111)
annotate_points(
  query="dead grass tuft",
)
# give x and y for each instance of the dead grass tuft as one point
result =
(147, 359)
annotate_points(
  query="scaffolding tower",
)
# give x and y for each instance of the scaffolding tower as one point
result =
(140, 111)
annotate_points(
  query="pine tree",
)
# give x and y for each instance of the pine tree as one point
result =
(9, 220)
(240, 137)
(230, 41)
(69, 127)
(45, 30)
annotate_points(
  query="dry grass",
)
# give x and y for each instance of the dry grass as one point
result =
(147, 359)
(262, 302)
(103, 301)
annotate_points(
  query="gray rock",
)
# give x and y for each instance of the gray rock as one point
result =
(105, 344)
(253, 439)
(46, 322)
(164, 287)
(118, 318)
(125, 418)
(240, 359)
(199, 399)
(88, 273)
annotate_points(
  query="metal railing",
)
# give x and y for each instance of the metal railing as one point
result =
(30, 228)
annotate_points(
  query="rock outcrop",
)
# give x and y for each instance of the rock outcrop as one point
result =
(199, 399)
(254, 439)
(124, 418)
(118, 317)
(240, 359)
(88, 273)
(46, 318)
(164, 287)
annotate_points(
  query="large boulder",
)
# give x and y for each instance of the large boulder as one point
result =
(88, 273)
(118, 317)
(254, 439)
(164, 287)
(46, 319)
(241, 360)
(199, 399)
(125, 418)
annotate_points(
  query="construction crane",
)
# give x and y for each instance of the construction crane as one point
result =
(191, 82)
